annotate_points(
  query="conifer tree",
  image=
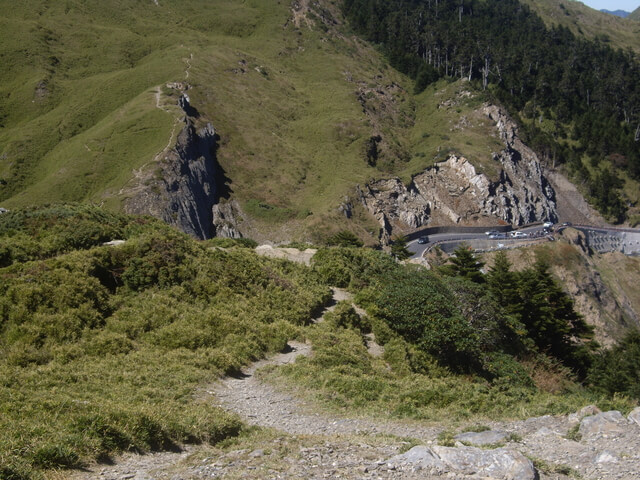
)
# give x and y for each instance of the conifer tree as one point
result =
(399, 248)
(550, 318)
(465, 264)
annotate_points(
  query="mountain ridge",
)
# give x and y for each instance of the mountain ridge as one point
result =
(617, 13)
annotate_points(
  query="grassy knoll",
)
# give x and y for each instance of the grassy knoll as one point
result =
(104, 348)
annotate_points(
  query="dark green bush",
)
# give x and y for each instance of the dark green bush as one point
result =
(418, 305)
(617, 370)
(506, 372)
(345, 238)
(344, 316)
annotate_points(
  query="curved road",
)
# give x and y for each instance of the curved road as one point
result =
(480, 240)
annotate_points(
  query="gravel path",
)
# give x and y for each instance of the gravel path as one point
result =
(309, 444)
(263, 405)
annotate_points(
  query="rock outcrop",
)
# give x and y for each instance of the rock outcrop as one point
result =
(453, 191)
(481, 439)
(225, 218)
(184, 191)
(501, 463)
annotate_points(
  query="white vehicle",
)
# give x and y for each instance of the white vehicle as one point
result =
(518, 235)
(547, 224)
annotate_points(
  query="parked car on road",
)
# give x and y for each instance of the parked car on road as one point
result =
(497, 235)
(491, 232)
(547, 224)
(423, 240)
(518, 235)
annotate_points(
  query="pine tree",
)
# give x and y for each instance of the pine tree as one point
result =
(504, 285)
(399, 248)
(465, 264)
(550, 318)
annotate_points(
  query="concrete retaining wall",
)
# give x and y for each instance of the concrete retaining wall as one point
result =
(625, 241)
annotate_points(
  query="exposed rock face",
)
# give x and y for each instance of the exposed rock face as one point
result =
(226, 217)
(634, 416)
(500, 463)
(603, 299)
(605, 424)
(480, 439)
(185, 191)
(452, 191)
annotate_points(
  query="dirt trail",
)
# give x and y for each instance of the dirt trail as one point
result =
(139, 175)
(356, 448)
(261, 404)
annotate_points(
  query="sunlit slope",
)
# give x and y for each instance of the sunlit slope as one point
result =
(293, 96)
(74, 86)
(582, 20)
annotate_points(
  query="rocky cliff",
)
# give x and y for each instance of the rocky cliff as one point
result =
(453, 192)
(183, 191)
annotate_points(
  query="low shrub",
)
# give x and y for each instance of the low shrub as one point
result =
(617, 370)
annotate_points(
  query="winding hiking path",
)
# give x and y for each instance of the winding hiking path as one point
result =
(261, 404)
(317, 444)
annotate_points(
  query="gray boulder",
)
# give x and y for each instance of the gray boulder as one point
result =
(603, 424)
(634, 416)
(479, 439)
(576, 418)
(498, 464)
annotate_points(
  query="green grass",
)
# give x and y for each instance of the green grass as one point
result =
(108, 349)
(585, 21)
(283, 99)
(439, 130)
(341, 377)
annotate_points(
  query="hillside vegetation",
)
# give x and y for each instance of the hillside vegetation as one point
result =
(635, 15)
(304, 109)
(109, 348)
(578, 99)
(103, 349)
(585, 21)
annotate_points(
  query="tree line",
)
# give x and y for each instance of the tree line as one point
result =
(589, 90)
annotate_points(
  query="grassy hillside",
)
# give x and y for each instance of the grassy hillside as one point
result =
(635, 15)
(105, 349)
(293, 97)
(591, 23)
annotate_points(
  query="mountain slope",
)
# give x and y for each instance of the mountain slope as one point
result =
(297, 105)
(583, 20)
(635, 15)
(302, 110)
(617, 13)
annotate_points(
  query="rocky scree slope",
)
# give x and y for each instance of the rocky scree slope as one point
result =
(453, 192)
